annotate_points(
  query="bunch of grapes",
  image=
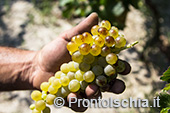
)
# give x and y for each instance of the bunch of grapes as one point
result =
(94, 60)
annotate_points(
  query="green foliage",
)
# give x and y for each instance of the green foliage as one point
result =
(113, 10)
(166, 75)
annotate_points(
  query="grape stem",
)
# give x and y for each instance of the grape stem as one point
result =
(117, 50)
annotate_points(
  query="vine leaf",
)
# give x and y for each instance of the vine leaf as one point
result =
(167, 87)
(165, 110)
(166, 76)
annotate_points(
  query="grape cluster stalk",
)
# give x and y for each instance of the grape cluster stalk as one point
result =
(94, 60)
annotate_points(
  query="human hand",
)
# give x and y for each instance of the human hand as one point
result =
(49, 59)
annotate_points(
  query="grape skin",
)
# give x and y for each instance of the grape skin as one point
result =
(101, 80)
(94, 29)
(36, 95)
(109, 70)
(77, 57)
(88, 76)
(84, 49)
(97, 70)
(84, 66)
(50, 99)
(111, 58)
(106, 24)
(40, 105)
(74, 85)
(95, 50)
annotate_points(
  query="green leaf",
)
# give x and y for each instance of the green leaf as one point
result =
(65, 2)
(166, 75)
(167, 87)
(165, 110)
(118, 9)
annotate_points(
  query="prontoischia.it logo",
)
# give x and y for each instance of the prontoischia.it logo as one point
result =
(108, 103)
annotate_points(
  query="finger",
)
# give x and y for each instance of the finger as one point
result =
(78, 107)
(92, 91)
(117, 87)
(84, 26)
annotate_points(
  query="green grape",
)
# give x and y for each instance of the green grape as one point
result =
(71, 75)
(36, 95)
(64, 68)
(51, 79)
(74, 85)
(76, 66)
(50, 99)
(46, 110)
(98, 40)
(109, 70)
(40, 105)
(103, 32)
(102, 61)
(52, 90)
(88, 58)
(58, 94)
(58, 74)
(56, 83)
(84, 48)
(72, 46)
(77, 56)
(120, 67)
(95, 62)
(79, 40)
(44, 96)
(71, 66)
(64, 80)
(88, 37)
(94, 29)
(32, 106)
(84, 66)
(113, 32)
(79, 75)
(106, 24)
(36, 111)
(97, 70)
(109, 41)
(65, 91)
(101, 80)
(88, 76)
(105, 51)
(95, 50)
(120, 42)
(44, 86)
(111, 58)
(83, 85)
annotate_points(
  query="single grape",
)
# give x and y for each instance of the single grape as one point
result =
(71, 66)
(50, 99)
(105, 51)
(58, 74)
(95, 50)
(58, 94)
(109, 70)
(120, 66)
(94, 29)
(56, 83)
(71, 75)
(74, 85)
(95, 62)
(84, 48)
(120, 42)
(64, 68)
(106, 24)
(44, 86)
(113, 32)
(36, 111)
(88, 37)
(98, 40)
(97, 70)
(52, 90)
(51, 79)
(88, 58)
(79, 75)
(88, 76)
(79, 40)
(83, 85)
(109, 41)
(32, 106)
(36, 95)
(64, 80)
(101, 80)
(46, 110)
(65, 91)
(127, 69)
(103, 32)
(111, 58)
(77, 56)
(84, 66)
(40, 105)
(102, 61)
(44, 96)
(72, 46)
(73, 39)
(76, 66)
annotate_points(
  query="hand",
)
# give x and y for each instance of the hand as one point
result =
(49, 59)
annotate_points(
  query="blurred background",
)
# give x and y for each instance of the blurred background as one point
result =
(30, 24)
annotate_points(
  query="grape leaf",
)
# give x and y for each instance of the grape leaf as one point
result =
(166, 75)
(167, 87)
(165, 110)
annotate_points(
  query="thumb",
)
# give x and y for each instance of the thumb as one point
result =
(84, 26)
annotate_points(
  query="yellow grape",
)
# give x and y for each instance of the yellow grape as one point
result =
(77, 57)
(106, 24)
(36, 95)
(103, 32)
(74, 85)
(88, 76)
(79, 40)
(32, 106)
(109, 41)
(50, 99)
(120, 42)
(58, 74)
(95, 50)
(56, 83)
(52, 90)
(79, 75)
(64, 68)
(72, 46)
(73, 39)
(99, 40)
(71, 75)
(51, 79)
(114, 32)
(87, 37)
(105, 51)
(44, 86)
(111, 58)
(84, 49)
(94, 29)
(71, 66)
(40, 105)
(64, 80)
